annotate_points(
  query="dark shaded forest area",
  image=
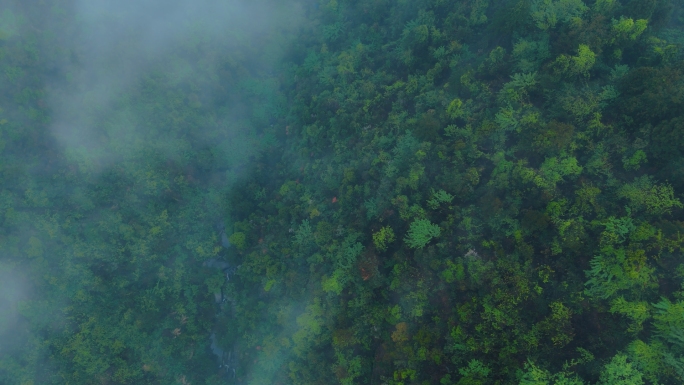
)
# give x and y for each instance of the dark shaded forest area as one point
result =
(342, 191)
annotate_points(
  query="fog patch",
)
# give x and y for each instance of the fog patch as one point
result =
(14, 289)
(113, 48)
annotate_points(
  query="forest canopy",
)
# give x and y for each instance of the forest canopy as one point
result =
(342, 191)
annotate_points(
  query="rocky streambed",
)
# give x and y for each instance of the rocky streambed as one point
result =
(226, 356)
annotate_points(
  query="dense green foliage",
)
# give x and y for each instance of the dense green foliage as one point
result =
(420, 192)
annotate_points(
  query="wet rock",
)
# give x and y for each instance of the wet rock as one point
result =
(216, 264)
(215, 349)
(229, 272)
(230, 360)
(225, 242)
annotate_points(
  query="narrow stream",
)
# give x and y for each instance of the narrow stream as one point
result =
(226, 359)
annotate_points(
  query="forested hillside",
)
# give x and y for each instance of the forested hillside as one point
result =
(343, 191)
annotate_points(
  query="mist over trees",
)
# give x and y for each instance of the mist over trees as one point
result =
(342, 191)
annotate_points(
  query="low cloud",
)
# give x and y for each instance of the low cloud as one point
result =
(113, 46)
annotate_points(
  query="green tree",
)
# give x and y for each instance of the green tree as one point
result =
(576, 65)
(547, 13)
(455, 109)
(668, 321)
(238, 239)
(537, 376)
(616, 270)
(383, 238)
(439, 197)
(620, 372)
(420, 233)
(628, 29)
(638, 312)
(656, 199)
(531, 54)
